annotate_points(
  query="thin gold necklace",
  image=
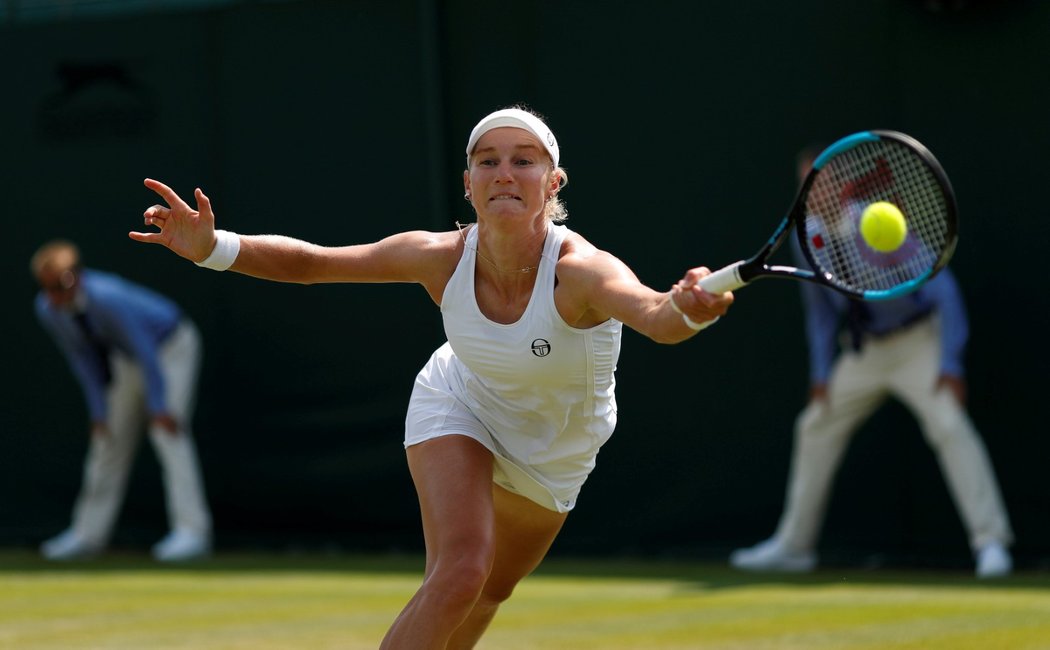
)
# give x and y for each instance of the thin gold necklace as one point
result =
(524, 269)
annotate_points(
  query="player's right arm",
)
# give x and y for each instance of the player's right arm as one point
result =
(398, 258)
(416, 256)
(422, 257)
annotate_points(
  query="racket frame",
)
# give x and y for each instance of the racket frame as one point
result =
(745, 271)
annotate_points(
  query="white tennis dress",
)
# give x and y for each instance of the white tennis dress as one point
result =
(537, 393)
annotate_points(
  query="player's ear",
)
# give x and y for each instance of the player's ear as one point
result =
(555, 183)
(466, 184)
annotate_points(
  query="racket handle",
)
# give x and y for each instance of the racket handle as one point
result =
(724, 279)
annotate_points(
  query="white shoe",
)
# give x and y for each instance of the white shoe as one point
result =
(67, 545)
(994, 561)
(771, 556)
(182, 545)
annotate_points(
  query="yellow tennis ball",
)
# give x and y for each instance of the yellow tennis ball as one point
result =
(883, 227)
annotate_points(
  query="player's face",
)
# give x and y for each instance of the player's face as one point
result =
(510, 174)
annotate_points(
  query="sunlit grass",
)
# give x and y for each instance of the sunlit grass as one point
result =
(272, 602)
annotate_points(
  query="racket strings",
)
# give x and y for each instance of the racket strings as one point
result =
(849, 182)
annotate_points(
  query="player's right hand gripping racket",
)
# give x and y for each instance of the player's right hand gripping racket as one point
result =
(848, 176)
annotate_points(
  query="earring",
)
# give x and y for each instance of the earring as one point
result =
(466, 197)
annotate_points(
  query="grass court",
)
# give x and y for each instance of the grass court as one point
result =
(282, 601)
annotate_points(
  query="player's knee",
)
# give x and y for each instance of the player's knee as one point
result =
(497, 592)
(461, 580)
(466, 587)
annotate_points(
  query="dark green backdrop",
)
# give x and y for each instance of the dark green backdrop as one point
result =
(342, 122)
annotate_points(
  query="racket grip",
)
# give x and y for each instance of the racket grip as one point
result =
(724, 279)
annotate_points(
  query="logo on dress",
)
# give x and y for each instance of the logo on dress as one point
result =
(541, 348)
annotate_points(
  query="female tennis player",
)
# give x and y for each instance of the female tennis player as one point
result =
(506, 418)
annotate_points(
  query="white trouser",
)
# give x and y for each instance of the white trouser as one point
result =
(109, 458)
(904, 365)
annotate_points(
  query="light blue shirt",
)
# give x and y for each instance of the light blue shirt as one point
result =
(124, 317)
(826, 312)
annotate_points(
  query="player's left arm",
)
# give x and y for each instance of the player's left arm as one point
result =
(597, 286)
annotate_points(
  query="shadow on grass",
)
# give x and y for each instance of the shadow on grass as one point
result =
(691, 574)
(29, 561)
(708, 575)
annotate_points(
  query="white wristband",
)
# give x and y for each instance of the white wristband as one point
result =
(689, 322)
(227, 246)
(699, 326)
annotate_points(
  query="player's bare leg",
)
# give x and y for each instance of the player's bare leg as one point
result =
(453, 479)
(524, 532)
(481, 541)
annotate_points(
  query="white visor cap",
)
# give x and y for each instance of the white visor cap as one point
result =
(518, 119)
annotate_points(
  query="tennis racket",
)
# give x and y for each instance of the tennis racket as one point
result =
(848, 176)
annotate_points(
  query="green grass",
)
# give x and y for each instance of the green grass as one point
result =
(270, 602)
